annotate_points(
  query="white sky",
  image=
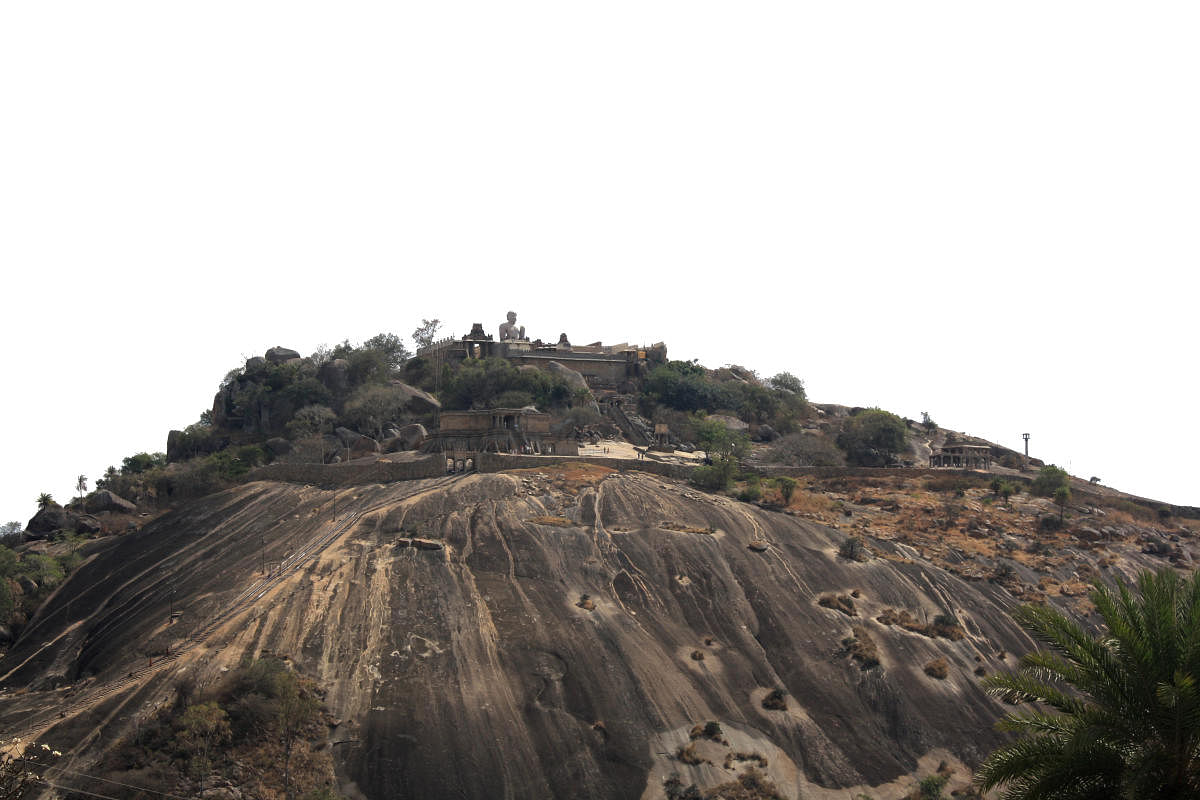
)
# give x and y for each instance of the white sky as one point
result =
(985, 211)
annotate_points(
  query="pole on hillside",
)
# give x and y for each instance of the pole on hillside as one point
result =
(1025, 436)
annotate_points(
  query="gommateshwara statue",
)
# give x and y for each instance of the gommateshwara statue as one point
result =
(510, 331)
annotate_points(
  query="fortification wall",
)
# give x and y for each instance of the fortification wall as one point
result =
(498, 462)
(336, 476)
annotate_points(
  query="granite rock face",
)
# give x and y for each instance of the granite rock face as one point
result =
(551, 633)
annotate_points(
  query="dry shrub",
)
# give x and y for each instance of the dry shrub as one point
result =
(709, 730)
(810, 503)
(938, 668)
(731, 757)
(861, 647)
(776, 700)
(942, 625)
(688, 755)
(840, 602)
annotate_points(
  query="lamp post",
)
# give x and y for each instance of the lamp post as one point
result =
(1025, 436)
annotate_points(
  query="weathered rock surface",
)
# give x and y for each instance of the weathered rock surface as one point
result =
(417, 400)
(410, 437)
(104, 500)
(48, 520)
(574, 379)
(280, 355)
(444, 620)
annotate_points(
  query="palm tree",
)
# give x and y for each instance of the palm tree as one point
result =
(44, 499)
(1123, 716)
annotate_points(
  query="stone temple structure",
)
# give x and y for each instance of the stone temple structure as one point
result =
(607, 369)
(962, 456)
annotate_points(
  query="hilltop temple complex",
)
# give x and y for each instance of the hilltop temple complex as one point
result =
(607, 369)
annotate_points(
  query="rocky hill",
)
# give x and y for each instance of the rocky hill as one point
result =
(350, 621)
(575, 630)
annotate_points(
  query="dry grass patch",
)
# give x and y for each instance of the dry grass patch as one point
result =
(942, 624)
(840, 602)
(861, 647)
(938, 668)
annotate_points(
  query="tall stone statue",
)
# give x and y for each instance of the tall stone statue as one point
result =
(510, 331)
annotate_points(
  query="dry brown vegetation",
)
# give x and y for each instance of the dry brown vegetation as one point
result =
(939, 627)
(938, 668)
(861, 647)
(840, 602)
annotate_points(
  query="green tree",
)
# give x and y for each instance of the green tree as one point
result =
(45, 500)
(202, 727)
(426, 332)
(1062, 496)
(81, 487)
(873, 438)
(296, 709)
(1007, 490)
(1049, 478)
(1123, 716)
(142, 462)
(787, 487)
(716, 439)
(787, 382)
(392, 347)
(11, 529)
(311, 421)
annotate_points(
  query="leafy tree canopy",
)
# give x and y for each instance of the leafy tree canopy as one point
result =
(492, 382)
(873, 438)
(1048, 480)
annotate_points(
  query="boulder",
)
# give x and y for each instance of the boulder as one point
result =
(335, 375)
(766, 433)
(280, 355)
(410, 437)
(358, 444)
(87, 524)
(413, 436)
(574, 379)
(255, 363)
(278, 446)
(364, 447)
(347, 437)
(6, 635)
(104, 500)
(416, 400)
(48, 520)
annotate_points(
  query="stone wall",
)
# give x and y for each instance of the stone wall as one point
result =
(333, 476)
(499, 462)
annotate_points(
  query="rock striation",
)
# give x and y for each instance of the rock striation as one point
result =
(537, 633)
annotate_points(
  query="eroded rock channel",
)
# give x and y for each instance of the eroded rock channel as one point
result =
(554, 633)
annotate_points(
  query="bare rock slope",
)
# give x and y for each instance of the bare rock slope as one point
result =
(554, 633)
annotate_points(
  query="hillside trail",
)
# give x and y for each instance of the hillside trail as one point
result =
(247, 599)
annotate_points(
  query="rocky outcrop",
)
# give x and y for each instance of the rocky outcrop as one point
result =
(49, 519)
(104, 500)
(416, 400)
(579, 621)
(410, 437)
(280, 355)
(357, 444)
